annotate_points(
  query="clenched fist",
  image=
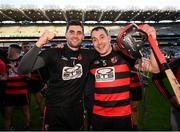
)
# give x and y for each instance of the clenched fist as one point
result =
(149, 30)
(45, 37)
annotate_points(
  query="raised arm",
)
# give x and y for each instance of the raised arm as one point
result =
(31, 61)
(149, 64)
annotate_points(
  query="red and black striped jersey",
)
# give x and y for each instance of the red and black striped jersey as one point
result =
(16, 84)
(135, 82)
(112, 83)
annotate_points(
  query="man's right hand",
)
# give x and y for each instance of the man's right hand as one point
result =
(44, 39)
(148, 29)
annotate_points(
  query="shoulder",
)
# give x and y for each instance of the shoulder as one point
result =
(51, 51)
(89, 53)
(50, 54)
(123, 59)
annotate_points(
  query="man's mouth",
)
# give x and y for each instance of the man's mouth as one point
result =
(75, 40)
(101, 47)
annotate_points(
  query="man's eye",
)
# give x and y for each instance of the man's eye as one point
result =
(71, 31)
(79, 33)
(94, 40)
(102, 37)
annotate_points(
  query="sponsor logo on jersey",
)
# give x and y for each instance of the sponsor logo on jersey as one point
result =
(105, 74)
(80, 57)
(70, 73)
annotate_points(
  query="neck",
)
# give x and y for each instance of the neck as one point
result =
(73, 48)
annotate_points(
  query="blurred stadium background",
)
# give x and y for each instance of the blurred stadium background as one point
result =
(27, 23)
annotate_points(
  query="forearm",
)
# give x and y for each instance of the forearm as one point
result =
(30, 61)
(154, 67)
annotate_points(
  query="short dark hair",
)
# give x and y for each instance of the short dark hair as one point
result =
(100, 28)
(74, 23)
(17, 47)
(25, 43)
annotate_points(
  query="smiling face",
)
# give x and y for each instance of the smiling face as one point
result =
(74, 36)
(101, 42)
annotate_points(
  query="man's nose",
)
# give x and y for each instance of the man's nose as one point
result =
(98, 42)
(75, 35)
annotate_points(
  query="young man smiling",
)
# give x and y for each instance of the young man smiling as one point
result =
(68, 69)
(111, 108)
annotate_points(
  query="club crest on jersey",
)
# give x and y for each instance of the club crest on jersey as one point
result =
(80, 57)
(105, 74)
(70, 73)
(114, 59)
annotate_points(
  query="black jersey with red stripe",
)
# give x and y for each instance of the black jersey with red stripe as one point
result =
(112, 83)
(16, 84)
(135, 87)
(67, 74)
